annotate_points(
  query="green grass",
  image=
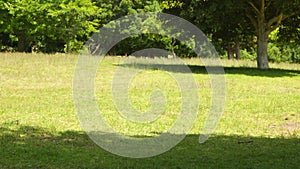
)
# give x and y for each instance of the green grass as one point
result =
(260, 126)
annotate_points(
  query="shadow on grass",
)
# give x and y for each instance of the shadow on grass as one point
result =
(272, 72)
(33, 147)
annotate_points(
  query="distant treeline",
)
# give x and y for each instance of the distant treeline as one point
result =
(238, 29)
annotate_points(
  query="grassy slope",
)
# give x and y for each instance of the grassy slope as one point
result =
(260, 127)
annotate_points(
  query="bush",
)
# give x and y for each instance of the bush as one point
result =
(274, 53)
(248, 55)
(284, 53)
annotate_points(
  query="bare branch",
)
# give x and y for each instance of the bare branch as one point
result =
(254, 8)
(268, 4)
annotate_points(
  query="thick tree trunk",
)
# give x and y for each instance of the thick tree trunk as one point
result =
(262, 47)
(262, 54)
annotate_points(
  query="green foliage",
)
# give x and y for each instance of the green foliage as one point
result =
(171, 4)
(24, 21)
(36, 23)
(137, 42)
(289, 31)
(72, 20)
(274, 53)
(5, 40)
(248, 55)
(277, 53)
(227, 33)
(284, 46)
(64, 25)
(284, 53)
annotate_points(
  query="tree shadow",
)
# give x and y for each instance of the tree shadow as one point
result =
(35, 147)
(197, 69)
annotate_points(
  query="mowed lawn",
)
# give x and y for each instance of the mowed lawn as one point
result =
(260, 126)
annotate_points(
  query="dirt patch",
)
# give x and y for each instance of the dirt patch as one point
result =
(291, 126)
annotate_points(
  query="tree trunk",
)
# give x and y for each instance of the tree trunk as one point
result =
(237, 50)
(230, 53)
(22, 43)
(264, 28)
(68, 47)
(262, 47)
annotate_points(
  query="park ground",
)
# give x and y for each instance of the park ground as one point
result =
(260, 126)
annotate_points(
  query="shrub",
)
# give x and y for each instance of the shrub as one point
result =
(248, 55)
(284, 53)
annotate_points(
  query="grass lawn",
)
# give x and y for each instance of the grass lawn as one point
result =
(260, 126)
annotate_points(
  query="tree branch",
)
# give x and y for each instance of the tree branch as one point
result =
(268, 4)
(262, 7)
(254, 8)
(253, 21)
(276, 21)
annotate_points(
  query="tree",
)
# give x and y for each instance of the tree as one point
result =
(289, 31)
(4, 35)
(266, 16)
(115, 9)
(288, 38)
(225, 20)
(24, 21)
(73, 19)
(42, 22)
(222, 22)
